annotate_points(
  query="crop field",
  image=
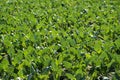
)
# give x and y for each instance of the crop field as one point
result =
(59, 39)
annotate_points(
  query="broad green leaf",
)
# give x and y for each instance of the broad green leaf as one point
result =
(117, 42)
(67, 64)
(0, 57)
(97, 46)
(70, 76)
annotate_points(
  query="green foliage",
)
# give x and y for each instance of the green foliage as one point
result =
(59, 39)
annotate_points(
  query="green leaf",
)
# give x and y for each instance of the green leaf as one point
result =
(0, 57)
(70, 76)
(67, 64)
(117, 42)
(71, 41)
(5, 63)
(97, 46)
(81, 32)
